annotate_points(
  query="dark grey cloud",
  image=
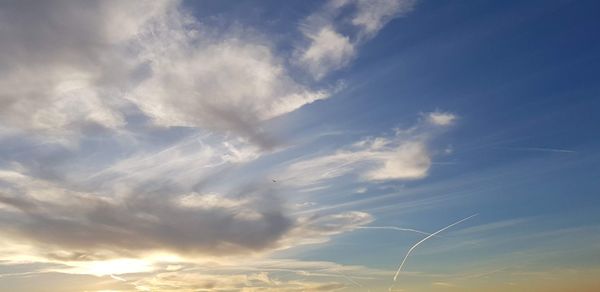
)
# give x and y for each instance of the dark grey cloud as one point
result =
(140, 217)
(86, 225)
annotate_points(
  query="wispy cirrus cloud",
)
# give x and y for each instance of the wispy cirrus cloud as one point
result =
(138, 72)
(402, 156)
(124, 126)
(255, 275)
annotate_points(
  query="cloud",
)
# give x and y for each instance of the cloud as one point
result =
(395, 161)
(284, 275)
(66, 225)
(407, 161)
(62, 65)
(328, 48)
(69, 68)
(403, 156)
(229, 280)
(91, 227)
(230, 82)
(371, 16)
(255, 275)
(441, 118)
(125, 126)
(244, 275)
(320, 228)
(193, 281)
(186, 164)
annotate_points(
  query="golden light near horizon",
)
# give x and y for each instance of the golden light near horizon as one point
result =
(299, 146)
(111, 267)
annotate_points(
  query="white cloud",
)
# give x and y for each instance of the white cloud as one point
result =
(183, 164)
(227, 84)
(320, 228)
(121, 78)
(63, 64)
(395, 160)
(441, 118)
(255, 275)
(327, 48)
(84, 65)
(361, 190)
(404, 156)
(407, 161)
(249, 275)
(372, 15)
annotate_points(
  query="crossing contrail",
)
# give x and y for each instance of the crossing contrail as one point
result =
(421, 241)
(394, 228)
(349, 279)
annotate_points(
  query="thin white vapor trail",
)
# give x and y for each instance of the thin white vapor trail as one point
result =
(422, 240)
(349, 279)
(175, 146)
(394, 228)
(542, 149)
(117, 278)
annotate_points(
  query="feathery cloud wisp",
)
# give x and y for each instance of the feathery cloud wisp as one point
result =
(404, 156)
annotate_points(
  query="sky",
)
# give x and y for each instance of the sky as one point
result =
(341, 145)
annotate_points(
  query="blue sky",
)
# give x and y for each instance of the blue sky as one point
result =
(289, 145)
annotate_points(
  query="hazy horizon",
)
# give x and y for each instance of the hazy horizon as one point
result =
(340, 145)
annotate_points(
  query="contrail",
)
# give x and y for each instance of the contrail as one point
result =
(394, 228)
(421, 241)
(117, 278)
(541, 149)
(348, 278)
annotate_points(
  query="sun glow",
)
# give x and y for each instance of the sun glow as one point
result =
(113, 267)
